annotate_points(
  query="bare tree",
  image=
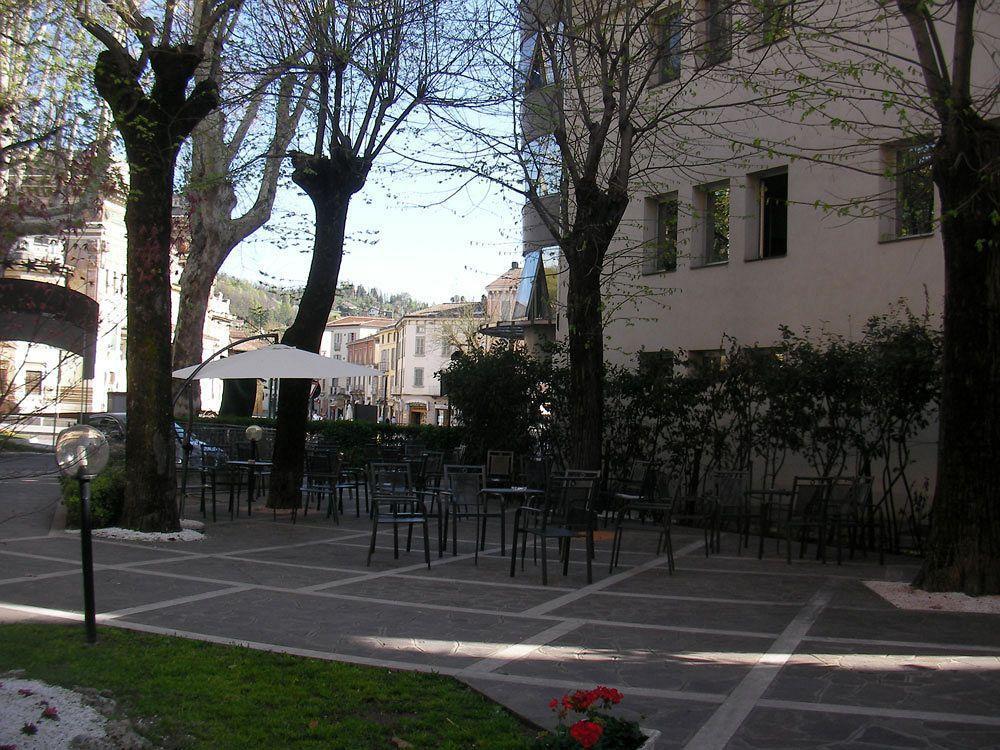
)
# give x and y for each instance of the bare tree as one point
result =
(240, 144)
(54, 138)
(146, 74)
(376, 64)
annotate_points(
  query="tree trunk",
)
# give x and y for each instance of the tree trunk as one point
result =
(586, 358)
(206, 254)
(329, 183)
(963, 551)
(153, 127)
(149, 432)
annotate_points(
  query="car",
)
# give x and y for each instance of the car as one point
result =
(112, 424)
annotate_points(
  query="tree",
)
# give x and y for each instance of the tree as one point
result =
(147, 79)
(592, 125)
(222, 145)
(963, 553)
(375, 64)
(54, 144)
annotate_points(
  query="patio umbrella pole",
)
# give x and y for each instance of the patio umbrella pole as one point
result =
(190, 421)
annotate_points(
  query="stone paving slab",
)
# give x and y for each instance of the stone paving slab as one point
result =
(244, 571)
(439, 638)
(768, 729)
(114, 590)
(692, 614)
(729, 651)
(923, 679)
(638, 658)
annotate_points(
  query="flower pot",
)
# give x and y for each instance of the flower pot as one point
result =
(651, 737)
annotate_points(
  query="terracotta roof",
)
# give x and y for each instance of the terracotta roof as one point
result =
(508, 280)
(444, 309)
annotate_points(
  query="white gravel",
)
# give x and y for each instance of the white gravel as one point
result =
(904, 596)
(19, 709)
(189, 533)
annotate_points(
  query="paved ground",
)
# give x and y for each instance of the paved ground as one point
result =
(728, 652)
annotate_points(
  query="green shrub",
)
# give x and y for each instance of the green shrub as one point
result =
(107, 496)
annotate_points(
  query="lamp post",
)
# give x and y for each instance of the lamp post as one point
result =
(254, 433)
(82, 453)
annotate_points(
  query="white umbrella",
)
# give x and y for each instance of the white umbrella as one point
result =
(278, 361)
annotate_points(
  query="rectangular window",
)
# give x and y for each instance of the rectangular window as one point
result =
(418, 346)
(669, 36)
(774, 19)
(418, 377)
(717, 32)
(32, 381)
(772, 207)
(661, 361)
(715, 222)
(337, 339)
(914, 190)
(661, 253)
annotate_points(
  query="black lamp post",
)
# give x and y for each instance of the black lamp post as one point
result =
(82, 453)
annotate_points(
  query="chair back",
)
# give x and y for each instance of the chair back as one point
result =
(849, 496)
(500, 465)
(809, 497)
(535, 472)
(573, 497)
(433, 468)
(464, 481)
(389, 479)
(413, 450)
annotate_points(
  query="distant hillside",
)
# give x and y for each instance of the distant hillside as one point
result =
(266, 307)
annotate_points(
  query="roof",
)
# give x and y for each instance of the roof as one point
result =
(358, 320)
(508, 280)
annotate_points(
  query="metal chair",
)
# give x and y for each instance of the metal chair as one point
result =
(395, 502)
(567, 508)
(462, 499)
(653, 501)
(729, 488)
(499, 468)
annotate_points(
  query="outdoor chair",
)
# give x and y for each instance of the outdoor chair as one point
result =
(649, 510)
(534, 472)
(730, 488)
(395, 502)
(804, 510)
(629, 483)
(461, 498)
(849, 509)
(197, 482)
(433, 470)
(321, 480)
(566, 509)
(694, 510)
(222, 477)
(499, 468)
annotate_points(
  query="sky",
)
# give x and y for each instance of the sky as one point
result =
(406, 233)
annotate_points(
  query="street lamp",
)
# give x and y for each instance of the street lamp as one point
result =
(82, 453)
(254, 433)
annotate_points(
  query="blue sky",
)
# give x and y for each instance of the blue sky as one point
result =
(406, 233)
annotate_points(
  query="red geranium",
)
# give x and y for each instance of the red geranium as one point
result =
(587, 733)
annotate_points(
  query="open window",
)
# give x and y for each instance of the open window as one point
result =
(713, 209)
(660, 249)
(538, 286)
(669, 33)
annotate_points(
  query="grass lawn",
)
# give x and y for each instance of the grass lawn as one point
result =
(203, 695)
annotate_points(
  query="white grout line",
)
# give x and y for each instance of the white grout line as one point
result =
(573, 596)
(720, 727)
(173, 602)
(707, 599)
(890, 713)
(473, 582)
(528, 646)
(904, 644)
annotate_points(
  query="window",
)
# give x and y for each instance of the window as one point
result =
(717, 32)
(418, 346)
(418, 377)
(32, 381)
(706, 361)
(351, 337)
(774, 19)
(914, 190)
(715, 222)
(669, 35)
(337, 339)
(661, 252)
(772, 207)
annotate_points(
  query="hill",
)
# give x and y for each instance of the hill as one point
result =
(266, 307)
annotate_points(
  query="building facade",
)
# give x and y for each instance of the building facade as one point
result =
(335, 394)
(42, 379)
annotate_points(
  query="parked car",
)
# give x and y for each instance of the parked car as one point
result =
(112, 424)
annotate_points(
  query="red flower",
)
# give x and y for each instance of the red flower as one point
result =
(610, 696)
(554, 704)
(50, 712)
(582, 699)
(587, 733)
